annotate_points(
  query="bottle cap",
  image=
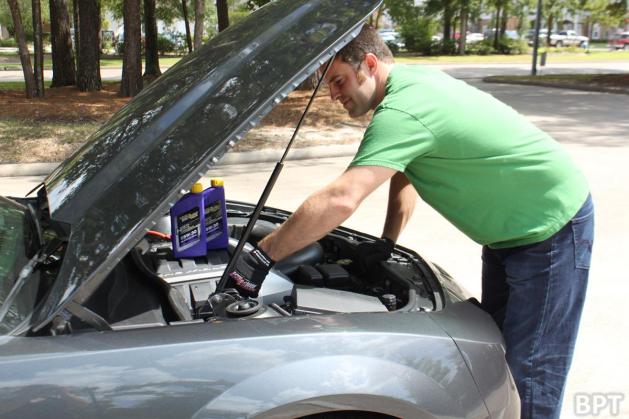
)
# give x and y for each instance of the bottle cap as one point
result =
(217, 181)
(197, 187)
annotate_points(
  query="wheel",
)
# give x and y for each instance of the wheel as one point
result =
(626, 47)
(559, 44)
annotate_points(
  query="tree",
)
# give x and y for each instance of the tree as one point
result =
(199, 15)
(38, 47)
(131, 82)
(150, 40)
(25, 58)
(186, 21)
(88, 69)
(63, 69)
(223, 14)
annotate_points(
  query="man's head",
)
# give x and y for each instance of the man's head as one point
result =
(358, 74)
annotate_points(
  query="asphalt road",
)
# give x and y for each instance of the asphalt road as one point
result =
(594, 128)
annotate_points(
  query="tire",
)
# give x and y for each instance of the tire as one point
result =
(559, 44)
(626, 47)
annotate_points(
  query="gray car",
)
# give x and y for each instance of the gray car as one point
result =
(98, 319)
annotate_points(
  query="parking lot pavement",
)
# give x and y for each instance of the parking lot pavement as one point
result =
(595, 130)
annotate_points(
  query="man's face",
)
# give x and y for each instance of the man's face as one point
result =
(351, 85)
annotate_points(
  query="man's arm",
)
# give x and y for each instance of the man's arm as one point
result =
(324, 210)
(402, 199)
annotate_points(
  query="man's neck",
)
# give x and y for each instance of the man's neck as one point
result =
(381, 82)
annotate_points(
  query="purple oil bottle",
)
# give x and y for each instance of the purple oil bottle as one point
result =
(215, 214)
(187, 219)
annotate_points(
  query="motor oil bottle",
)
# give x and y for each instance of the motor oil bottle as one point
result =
(187, 219)
(216, 232)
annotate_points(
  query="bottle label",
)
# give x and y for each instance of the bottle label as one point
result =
(213, 219)
(188, 229)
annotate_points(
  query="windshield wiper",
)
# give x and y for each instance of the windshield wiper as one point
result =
(267, 189)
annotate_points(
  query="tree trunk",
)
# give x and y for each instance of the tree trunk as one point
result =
(63, 70)
(88, 72)
(447, 20)
(223, 14)
(184, 8)
(38, 47)
(25, 58)
(376, 23)
(150, 41)
(463, 37)
(549, 25)
(199, 17)
(75, 19)
(131, 82)
(497, 24)
(505, 18)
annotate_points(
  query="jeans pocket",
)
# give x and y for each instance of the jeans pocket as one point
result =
(583, 233)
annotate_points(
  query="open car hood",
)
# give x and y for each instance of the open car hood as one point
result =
(111, 191)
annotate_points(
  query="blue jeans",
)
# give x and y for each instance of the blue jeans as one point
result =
(535, 293)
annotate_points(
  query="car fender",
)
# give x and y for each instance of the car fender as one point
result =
(344, 382)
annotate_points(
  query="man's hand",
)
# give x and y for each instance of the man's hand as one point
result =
(370, 254)
(249, 272)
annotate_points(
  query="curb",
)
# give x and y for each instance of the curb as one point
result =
(541, 83)
(244, 157)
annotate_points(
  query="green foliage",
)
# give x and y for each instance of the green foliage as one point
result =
(395, 49)
(27, 12)
(417, 35)
(9, 42)
(484, 47)
(169, 43)
(447, 47)
(506, 46)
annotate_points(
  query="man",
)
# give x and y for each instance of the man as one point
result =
(496, 177)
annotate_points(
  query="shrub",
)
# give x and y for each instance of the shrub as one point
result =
(484, 47)
(511, 46)
(395, 49)
(418, 36)
(165, 44)
(9, 43)
(447, 47)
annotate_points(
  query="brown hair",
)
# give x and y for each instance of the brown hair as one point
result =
(367, 40)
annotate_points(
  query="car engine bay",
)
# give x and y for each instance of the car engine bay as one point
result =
(150, 287)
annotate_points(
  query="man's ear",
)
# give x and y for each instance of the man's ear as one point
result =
(372, 62)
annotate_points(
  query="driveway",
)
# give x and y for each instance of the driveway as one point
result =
(594, 128)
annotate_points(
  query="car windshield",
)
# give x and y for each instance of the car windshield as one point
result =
(18, 238)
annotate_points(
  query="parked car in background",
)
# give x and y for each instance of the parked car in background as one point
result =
(559, 39)
(619, 41)
(473, 37)
(571, 38)
(490, 33)
(392, 36)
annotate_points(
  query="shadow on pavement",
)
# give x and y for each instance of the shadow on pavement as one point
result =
(570, 116)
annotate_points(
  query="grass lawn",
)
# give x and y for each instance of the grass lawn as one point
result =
(19, 85)
(41, 140)
(14, 62)
(613, 83)
(554, 55)
(523, 58)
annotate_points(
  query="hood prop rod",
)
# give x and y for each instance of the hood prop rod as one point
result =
(267, 189)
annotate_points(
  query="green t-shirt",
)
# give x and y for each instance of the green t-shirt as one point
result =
(484, 167)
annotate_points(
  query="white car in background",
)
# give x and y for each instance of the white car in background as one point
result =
(473, 37)
(391, 36)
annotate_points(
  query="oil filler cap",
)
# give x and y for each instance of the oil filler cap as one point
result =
(243, 308)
